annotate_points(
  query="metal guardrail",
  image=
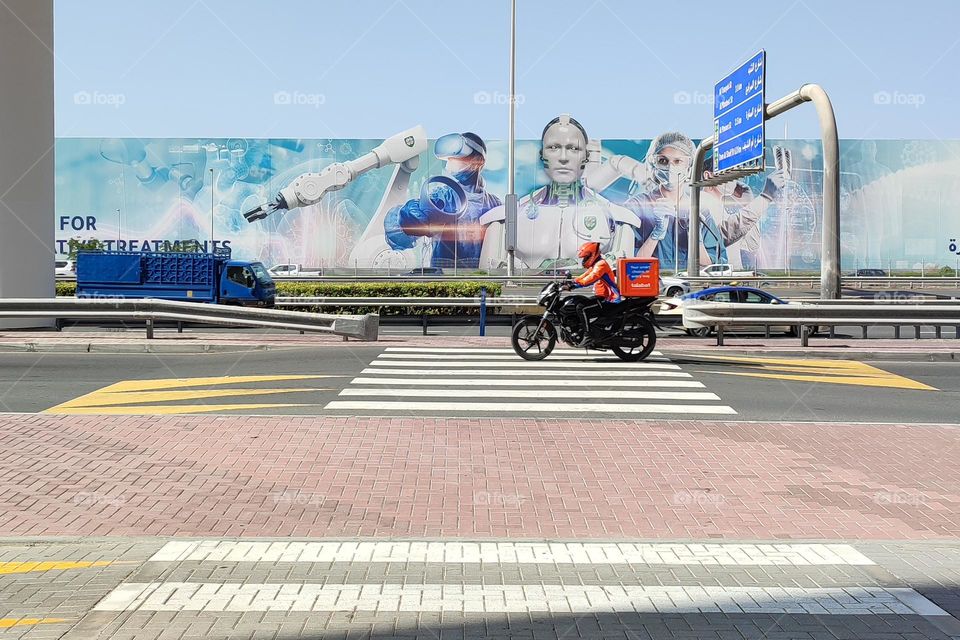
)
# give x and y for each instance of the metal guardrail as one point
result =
(149, 311)
(522, 301)
(825, 314)
(811, 281)
(412, 301)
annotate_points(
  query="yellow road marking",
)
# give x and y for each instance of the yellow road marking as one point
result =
(849, 372)
(105, 397)
(806, 362)
(896, 382)
(132, 396)
(180, 383)
(47, 565)
(9, 623)
(169, 409)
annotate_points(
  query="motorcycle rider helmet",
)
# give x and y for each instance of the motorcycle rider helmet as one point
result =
(589, 253)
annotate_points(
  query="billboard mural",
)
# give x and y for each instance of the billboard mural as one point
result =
(900, 201)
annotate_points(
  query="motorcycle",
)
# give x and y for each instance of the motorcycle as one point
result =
(626, 328)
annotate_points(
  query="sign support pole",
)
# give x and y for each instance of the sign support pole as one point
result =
(830, 236)
(510, 204)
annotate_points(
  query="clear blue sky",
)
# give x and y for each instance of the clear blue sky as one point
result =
(369, 68)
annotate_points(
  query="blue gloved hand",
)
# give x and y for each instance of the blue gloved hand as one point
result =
(662, 212)
(773, 184)
(399, 225)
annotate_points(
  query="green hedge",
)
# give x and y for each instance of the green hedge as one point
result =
(457, 289)
(294, 289)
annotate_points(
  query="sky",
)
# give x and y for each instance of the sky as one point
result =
(370, 68)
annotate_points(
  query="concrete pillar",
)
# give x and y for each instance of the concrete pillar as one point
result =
(27, 249)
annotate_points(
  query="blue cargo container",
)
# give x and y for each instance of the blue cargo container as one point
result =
(189, 277)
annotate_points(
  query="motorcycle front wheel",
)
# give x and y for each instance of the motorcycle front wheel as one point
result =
(531, 340)
(636, 341)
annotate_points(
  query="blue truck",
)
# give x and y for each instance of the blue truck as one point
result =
(188, 277)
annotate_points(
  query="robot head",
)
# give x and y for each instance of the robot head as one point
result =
(564, 149)
(669, 159)
(589, 253)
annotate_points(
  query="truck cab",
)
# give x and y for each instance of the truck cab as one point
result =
(246, 283)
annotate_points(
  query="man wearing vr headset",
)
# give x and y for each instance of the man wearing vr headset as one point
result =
(555, 220)
(449, 208)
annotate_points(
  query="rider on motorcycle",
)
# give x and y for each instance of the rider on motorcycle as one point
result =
(599, 274)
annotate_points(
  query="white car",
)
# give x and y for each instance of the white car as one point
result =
(721, 271)
(290, 270)
(673, 287)
(65, 268)
(723, 294)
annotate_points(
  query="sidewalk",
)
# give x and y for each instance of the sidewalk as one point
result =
(168, 341)
(475, 478)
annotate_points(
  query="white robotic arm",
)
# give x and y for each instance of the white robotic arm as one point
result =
(599, 176)
(309, 188)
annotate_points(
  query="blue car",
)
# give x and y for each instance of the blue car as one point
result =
(728, 293)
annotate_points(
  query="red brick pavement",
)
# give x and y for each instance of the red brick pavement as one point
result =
(329, 476)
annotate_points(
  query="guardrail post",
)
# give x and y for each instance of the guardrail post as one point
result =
(896, 332)
(916, 332)
(58, 324)
(719, 335)
(149, 328)
(864, 330)
(179, 327)
(804, 335)
(423, 320)
(936, 331)
(483, 311)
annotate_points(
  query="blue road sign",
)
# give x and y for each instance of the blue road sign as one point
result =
(738, 115)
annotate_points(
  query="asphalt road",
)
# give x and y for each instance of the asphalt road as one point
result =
(355, 379)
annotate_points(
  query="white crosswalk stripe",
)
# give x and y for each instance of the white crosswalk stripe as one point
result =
(377, 585)
(584, 553)
(431, 598)
(541, 373)
(449, 380)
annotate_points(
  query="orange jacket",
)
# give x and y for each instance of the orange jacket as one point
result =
(601, 276)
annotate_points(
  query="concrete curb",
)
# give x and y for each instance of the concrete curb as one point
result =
(119, 348)
(891, 356)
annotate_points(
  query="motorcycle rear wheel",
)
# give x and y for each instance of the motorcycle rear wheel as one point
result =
(530, 341)
(637, 340)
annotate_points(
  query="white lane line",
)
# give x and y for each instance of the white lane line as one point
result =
(548, 407)
(494, 394)
(580, 352)
(800, 554)
(498, 382)
(612, 367)
(500, 357)
(522, 598)
(540, 373)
